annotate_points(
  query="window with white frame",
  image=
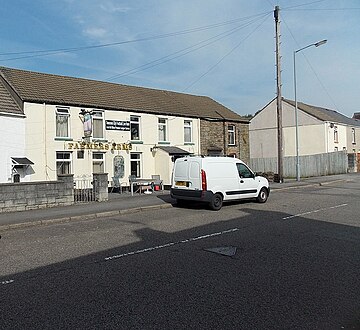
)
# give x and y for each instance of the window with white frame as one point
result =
(98, 124)
(63, 162)
(353, 139)
(135, 164)
(98, 162)
(231, 134)
(187, 131)
(162, 128)
(62, 122)
(134, 128)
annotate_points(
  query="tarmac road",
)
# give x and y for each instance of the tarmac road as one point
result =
(292, 263)
(125, 203)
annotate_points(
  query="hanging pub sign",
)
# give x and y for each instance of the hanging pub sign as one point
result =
(117, 125)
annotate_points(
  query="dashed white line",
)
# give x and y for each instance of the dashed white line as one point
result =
(314, 211)
(172, 244)
(7, 282)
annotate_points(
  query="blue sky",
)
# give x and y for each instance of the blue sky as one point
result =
(224, 49)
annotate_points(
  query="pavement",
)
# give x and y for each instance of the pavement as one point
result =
(125, 203)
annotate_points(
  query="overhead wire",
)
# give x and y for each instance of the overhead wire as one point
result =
(303, 4)
(291, 8)
(226, 55)
(40, 53)
(312, 68)
(248, 21)
(183, 51)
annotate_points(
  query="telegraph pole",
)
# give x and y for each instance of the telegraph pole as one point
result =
(278, 98)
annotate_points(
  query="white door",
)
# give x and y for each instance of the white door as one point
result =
(247, 183)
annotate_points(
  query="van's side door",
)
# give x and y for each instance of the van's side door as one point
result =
(248, 184)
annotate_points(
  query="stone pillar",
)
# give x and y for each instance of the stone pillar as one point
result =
(68, 188)
(100, 182)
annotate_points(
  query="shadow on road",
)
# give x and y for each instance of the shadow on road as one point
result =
(286, 274)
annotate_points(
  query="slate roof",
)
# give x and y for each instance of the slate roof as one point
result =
(325, 114)
(62, 90)
(21, 161)
(7, 103)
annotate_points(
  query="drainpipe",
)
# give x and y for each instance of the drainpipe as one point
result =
(224, 132)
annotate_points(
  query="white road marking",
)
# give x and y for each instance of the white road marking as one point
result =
(314, 211)
(7, 282)
(171, 244)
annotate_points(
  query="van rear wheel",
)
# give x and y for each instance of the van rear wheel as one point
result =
(216, 202)
(263, 195)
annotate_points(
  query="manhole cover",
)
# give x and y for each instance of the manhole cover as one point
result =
(228, 251)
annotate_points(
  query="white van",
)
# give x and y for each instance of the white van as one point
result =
(216, 179)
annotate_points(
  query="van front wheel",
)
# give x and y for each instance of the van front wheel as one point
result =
(263, 195)
(216, 202)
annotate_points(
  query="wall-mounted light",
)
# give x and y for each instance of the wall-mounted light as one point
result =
(154, 148)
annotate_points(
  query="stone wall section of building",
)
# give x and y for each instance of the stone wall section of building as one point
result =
(214, 136)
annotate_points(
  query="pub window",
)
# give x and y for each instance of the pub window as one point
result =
(135, 164)
(98, 162)
(134, 128)
(187, 131)
(162, 128)
(231, 134)
(98, 125)
(63, 162)
(62, 122)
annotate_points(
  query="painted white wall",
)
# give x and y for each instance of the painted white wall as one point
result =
(12, 144)
(42, 144)
(315, 136)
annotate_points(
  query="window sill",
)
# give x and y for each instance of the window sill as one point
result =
(163, 142)
(136, 142)
(189, 143)
(63, 139)
(99, 140)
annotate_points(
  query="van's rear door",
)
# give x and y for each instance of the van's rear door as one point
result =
(187, 174)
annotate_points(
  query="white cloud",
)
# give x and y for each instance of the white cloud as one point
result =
(244, 79)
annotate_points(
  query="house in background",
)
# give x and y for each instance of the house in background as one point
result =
(14, 166)
(320, 131)
(79, 126)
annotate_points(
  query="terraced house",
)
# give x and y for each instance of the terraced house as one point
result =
(55, 124)
(321, 131)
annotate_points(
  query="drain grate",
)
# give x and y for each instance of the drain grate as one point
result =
(228, 251)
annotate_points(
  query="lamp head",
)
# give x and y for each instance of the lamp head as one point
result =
(320, 43)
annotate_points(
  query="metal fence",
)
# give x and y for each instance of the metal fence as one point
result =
(312, 165)
(84, 189)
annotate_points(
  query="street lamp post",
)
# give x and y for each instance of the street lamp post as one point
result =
(317, 44)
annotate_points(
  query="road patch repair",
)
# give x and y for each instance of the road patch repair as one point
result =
(228, 251)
